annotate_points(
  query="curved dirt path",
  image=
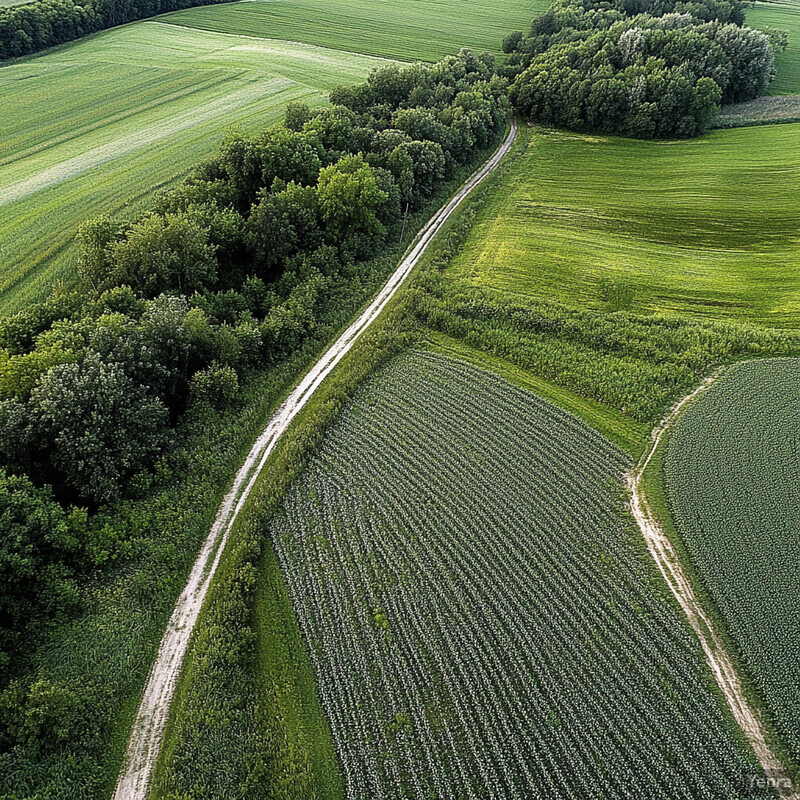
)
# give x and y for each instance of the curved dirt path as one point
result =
(148, 728)
(717, 657)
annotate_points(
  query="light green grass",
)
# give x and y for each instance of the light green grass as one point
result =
(783, 14)
(705, 227)
(402, 29)
(99, 126)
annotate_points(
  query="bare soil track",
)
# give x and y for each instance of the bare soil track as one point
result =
(151, 718)
(716, 655)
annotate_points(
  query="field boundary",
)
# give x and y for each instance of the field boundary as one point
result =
(151, 718)
(669, 565)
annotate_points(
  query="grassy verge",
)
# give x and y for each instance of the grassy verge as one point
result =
(265, 692)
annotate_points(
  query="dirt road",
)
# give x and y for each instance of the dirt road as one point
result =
(148, 728)
(716, 655)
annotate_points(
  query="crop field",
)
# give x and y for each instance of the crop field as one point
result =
(628, 434)
(785, 15)
(99, 126)
(733, 483)
(481, 619)
(705, 227)
(403, 29)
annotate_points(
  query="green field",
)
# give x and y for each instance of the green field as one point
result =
(733, 483)
(784, 15)
(477, 609)
(706, 227)
(99, 126)
(402, 29)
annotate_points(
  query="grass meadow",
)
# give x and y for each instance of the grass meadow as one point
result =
(783, 14)
(100, 125)
(407, 30)
(706, 227)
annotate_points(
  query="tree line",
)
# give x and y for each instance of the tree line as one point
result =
(642, 68)
(225, 275)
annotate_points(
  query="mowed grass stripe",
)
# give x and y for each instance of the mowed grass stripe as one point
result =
(187, 78)
(130, 111)
(28, 131)
(707, 226)
(402, 29)
(141, 138)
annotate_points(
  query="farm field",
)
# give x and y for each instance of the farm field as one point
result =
(452, 643)
(732, 479)
(403, 29)
(100, 125)
(706, 227)
(440, 585)
(784, 15)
